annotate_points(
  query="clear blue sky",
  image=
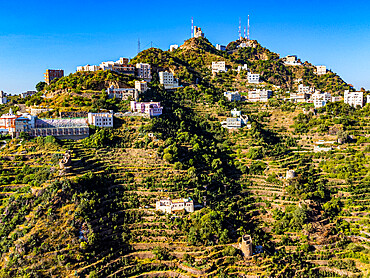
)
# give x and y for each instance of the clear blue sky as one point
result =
(36, 35)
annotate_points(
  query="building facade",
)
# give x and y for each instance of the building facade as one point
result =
(354, 98)
(50, 75)
(198, 32)
(3, 98)
(104, 119)
(143, 71)
(174, 47)
(253, 78)
(220, 47)
(141, 86)
(176, 205)
(233, 96)
(28, 94)
(168, 80)
(123, 93)
(259, 95)
(218, 67)
(320, 70)
(152, 109)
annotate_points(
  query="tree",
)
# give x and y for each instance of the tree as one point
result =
(40, 86)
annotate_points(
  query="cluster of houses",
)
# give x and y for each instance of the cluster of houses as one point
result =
(220, 66)
(320, 99)
(256, 95)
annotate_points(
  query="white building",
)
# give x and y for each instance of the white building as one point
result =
(259, 95)
(320, 99)
(176, 205)
(236, 113)
(253, 78)
(198, 32)
(304, 89)
(28, 94)
(299, 97)
(232, 96)
(320, 70)
(240, 68)
(144, 71)
(174, 47)
(88, 68)
(291, 60)
(100, 119)
(3, 98)
(123, 93)
(167, 80)
(218, 67)
(141, 86)
(220, 47)
(354, 98)
(368, 99)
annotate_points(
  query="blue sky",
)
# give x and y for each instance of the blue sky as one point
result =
(36, 35)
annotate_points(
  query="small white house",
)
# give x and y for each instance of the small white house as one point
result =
(171, 206)
(104, 119)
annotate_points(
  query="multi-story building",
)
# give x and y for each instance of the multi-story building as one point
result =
(174, 47)
(28, 94)
(152, 109)
(123, 93)
(304, 89)
(299, 97)
(176, 205)
(88, 68)
(198, 32)
(291, 60)
(354, 98)
(220, 47)
(320, 70)
(143, 71)
(237, 120)
(141, 86)
(103, 119)
(53, 74)
(232, 96)
(259, 95)
(76, 128)
(218, 67)
(320, 99)
(253, 78)
(167, 80)
(3, 98)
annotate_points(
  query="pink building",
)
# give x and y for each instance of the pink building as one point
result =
(153, 109)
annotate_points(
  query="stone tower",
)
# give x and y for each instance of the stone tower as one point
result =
(246, 245)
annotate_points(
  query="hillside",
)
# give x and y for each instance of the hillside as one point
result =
(97, 217)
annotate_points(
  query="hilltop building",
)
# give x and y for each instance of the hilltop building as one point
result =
(253, 78)
(174, 47)
(320, 70)
(141, 86)
(176, 205)
(120, 66)
(291, 60)
(152, 109)
(3, 98)
(123, 93)
(144, 72)
(167, 80)
(50, 75)
(88, 68)
(103, 119)
(354, 98)
(198, 32)
(259, 95)
(218, 67)
(220, 47)
(233, 96)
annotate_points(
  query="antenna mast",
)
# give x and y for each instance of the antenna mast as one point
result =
(192, 28)
(244, 31)
(240, 28)
(248, 29)
(138, 45)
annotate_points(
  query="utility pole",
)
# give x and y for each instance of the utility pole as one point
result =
(138, 46)
(192, 28)
(248, 29)
(240, 28)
